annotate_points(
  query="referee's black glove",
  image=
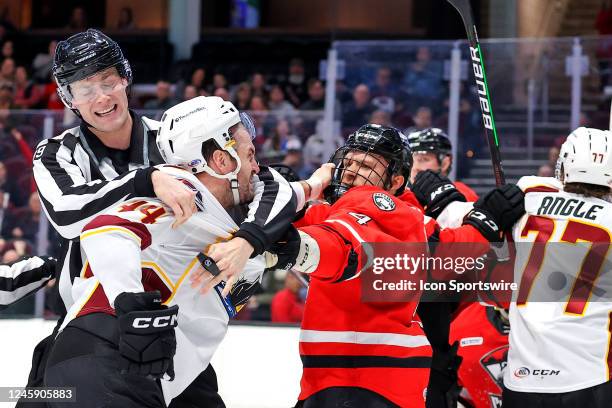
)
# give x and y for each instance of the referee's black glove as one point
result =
(497, 211)
(147, 342)
(434, 192)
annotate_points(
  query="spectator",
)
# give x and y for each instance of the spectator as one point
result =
(242, 98)
(10, 256)
(7, 70)
(553, 155)
(288, 304)
(294, 159)
(24, 221)
(295, 85)
(78, 19)
(276, 145)
(423, 79)
(315, 152)
(27, 94)
(197, 79)
(380, 117)
(316, 96)
(8, 185)
(163, 98)
(356, 113)
(126, 19)
(222, 93)
(422, 119)
(219, 81)
(277, 102)
(545, 171)
(190, 92)
(7, 49)
(42, 64)
(258, 104)
(259, 85)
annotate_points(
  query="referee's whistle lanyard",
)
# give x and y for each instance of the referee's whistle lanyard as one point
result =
(145, 147)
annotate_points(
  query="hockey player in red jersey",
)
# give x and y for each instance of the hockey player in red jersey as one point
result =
(432, 150)
(358, 353)
(481, 333)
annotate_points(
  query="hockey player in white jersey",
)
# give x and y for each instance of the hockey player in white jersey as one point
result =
(137, 267)
(560, 318)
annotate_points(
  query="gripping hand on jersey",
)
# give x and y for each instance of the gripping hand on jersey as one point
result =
(497, 211)
(434, 192)
(147, 342)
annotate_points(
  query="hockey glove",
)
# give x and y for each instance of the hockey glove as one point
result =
(283, 253)
(497, 211)
(147, 342)
(443, 389)
(434, 192)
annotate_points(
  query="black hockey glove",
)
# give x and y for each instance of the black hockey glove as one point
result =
(285, 251)
(497, 211)
(434, 192)
(147, 342)
(443, 389)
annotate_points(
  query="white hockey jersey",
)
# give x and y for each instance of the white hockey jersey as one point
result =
(133, 248)
(560, 317)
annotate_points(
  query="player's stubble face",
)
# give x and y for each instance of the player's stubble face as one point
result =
(362, 169)
(249, 166)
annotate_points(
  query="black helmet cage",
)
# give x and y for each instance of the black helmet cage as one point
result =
(83, 55)
(432, 140)
(379, 142)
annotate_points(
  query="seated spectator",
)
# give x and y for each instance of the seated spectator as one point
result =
(357, 112)
(288, 303)
(27, 94)
(219, 81)
(295, 86)
(422, 120)
(7, 49)
(78, 19)
(294, 158)
(24, 222)
(9, 186)
(190, 92)
(423, 79)
(43, 63)
(277, 144)
(380, 117)
(258, 103)
(242, 96)
(277, 102)
(259, 87)
(545, 171)
(222, 93)
(316, 96)
(553, 156)
(126, 19)
(7, 70)
(163, 98)
(197, 79)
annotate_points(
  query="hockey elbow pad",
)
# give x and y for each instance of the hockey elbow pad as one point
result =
(147, 342)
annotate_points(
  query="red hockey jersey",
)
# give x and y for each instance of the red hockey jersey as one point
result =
(347, 342)
(483, 344)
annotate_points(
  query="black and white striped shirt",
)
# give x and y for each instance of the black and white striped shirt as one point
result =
(78, 177)
(24, 277)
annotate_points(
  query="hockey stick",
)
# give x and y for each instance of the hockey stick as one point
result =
(465, 11)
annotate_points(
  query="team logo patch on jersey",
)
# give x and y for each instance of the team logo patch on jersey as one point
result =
(383, 202)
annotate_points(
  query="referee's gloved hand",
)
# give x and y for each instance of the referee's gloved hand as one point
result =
(497, 211)
(147, 342)
(434, 192)
(283, 254)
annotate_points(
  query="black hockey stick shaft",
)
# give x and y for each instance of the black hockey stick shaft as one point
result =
(465, 10)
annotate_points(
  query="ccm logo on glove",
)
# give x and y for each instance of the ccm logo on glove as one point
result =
(482, 217)
(161, 321)
(441, 189)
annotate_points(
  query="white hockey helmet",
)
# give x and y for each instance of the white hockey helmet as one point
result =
(586, 157)
(186, 126)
